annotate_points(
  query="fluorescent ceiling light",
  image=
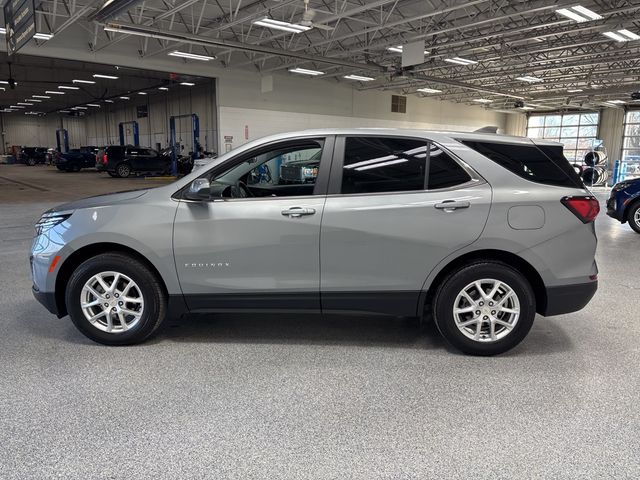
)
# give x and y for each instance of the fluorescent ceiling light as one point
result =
(482, 100)
(3, 89)
(6, 82)
(187, 84)
(64, 111)
(191, 56)
(399, 49)
(24, 103)
(53, 92)
(16, 106)
(93, 105)
(529, 78)
(108, 101)
(83, 81)
(108, 77)
(43, 36)
(615, 36)
(575, 90)
(279, 25)
(163, 88)
(629, 34)
(142, 93)
(460, 61)
(429, 90)
(579, 14)
(124, 98)
(79, 108)
(66, 87)
(617, 102)
(305, 71)
(40, 96)
(3, 31)
(359, 78)
(527, 108)
(32, 100)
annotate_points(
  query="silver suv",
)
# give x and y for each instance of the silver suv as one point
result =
(480, 231)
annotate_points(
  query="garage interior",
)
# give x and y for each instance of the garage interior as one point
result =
(306, 396)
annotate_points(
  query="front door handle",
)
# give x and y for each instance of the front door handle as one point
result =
(296, 212)
(451, 205)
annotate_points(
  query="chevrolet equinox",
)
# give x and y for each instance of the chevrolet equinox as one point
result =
(481, 231)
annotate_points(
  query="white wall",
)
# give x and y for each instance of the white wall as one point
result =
(516, 124)
(611, 130)
(32, 131)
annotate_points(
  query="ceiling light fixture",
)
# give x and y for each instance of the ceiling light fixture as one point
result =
(108, 101)
(108, 77)
(64, 111)
(623, 35)
(616, 102)
(460, 61)
(482, 100)
(124, 98)
(527, 108)
(66, 87)
(187, 84)
(83, 81)
(53, 92)
(40, 96)
(16, 106)
(359, 78)
(429, 90)
(579, 14)
(529, 78)
(142, 93)
(79, 108)
(43, 36)
(32, 100)
(191, 56)
(24, 103)
(575, 90)
(165, 89)
(399, 49)
(279, 25)
(305, 71)
(93, 105)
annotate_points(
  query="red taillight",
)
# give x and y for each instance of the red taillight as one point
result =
(586, 208)
(105, 159)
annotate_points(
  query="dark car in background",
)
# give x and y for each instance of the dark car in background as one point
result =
(76, 159)
(32, 155)
(624, 203)
(300, 171)
(122, 161)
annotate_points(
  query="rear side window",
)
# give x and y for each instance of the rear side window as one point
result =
(379, 164)
(544, 164)
(444, 171)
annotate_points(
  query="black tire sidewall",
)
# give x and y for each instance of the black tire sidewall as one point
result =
(123, 166)
(453, 285)
(154, 299)
(631, 217)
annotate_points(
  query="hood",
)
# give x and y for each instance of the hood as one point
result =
(99, 201)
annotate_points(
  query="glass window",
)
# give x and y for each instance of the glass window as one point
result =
(379, 164)
(576, 131)
(542, 164)
(631, 144)
(444, 171)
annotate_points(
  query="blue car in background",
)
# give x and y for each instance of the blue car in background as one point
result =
(624, 203)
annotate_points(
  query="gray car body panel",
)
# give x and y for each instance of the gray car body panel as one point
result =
(352, 243)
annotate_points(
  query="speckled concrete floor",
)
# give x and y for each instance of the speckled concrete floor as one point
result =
(300, 397)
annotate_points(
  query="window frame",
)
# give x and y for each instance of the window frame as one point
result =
(322, 180)
(335, 180)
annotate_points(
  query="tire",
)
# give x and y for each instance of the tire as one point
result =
(633, 217)
(123, 170)
(31, 162)
(449, 295)
(108, 327)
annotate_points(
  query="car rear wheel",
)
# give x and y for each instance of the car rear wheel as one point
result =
(633, 217)
(485, 308)
(123, 170)
(115, 299)
(31, 162)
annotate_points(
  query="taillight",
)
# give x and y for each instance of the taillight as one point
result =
(105, 159)
(586, 208)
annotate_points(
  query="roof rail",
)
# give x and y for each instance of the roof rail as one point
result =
(488, 129)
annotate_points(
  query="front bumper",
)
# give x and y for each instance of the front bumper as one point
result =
(568, 298)
(612, 209)
(48, 299)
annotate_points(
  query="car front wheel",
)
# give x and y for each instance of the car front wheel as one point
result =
(114, 299)
(123, 170)
(485, 308)
(633, 217)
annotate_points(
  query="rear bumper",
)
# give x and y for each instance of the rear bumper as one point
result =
(568, 298)
(48, 299)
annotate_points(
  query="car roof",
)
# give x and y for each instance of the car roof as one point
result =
(433, 134)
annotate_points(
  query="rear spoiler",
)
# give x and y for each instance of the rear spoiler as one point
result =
(487, 129)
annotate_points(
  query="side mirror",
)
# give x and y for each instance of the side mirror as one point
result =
(200, 189)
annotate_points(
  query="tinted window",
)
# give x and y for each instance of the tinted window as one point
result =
(530, 162)
(378, 164)
(444, 171)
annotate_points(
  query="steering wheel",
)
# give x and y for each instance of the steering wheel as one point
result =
(240, 190)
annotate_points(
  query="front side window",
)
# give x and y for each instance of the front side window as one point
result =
(286, 169)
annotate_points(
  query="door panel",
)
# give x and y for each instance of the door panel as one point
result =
(250, 250)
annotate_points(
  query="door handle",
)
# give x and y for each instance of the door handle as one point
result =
(451, 205)
(296, 212)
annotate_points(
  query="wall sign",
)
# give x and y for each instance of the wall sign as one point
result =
(142, 111)
(20, 20)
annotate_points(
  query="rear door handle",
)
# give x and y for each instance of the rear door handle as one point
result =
(451, 205)
(296, 212)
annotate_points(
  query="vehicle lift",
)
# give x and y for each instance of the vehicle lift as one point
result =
(195, 125)
(136, 132)
(62, 140)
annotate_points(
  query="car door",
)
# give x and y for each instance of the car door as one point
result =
(396, 207)
(257, 252)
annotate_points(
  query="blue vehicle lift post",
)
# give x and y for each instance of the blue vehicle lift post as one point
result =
(136, 132)
(62, 139)
(195, 126)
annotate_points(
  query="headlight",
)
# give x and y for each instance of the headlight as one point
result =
(48, 221)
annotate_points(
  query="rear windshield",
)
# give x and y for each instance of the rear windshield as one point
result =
(542, 164)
